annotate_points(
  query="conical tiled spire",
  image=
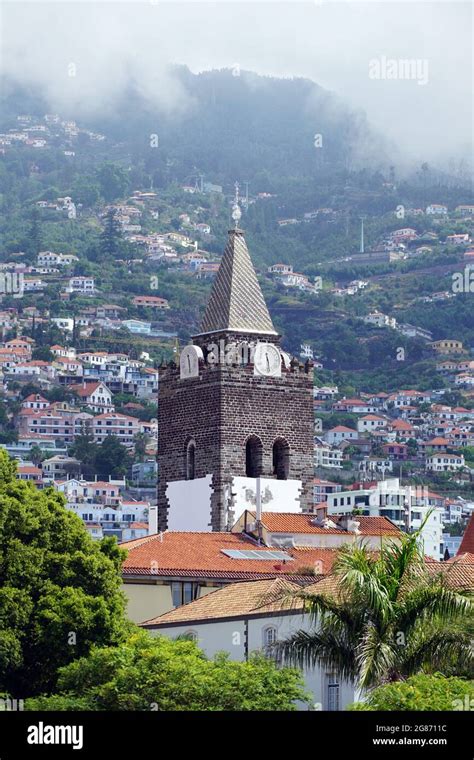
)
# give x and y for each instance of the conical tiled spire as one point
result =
(236, 303)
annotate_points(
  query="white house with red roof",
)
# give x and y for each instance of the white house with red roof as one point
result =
(35, 401)
(67, 365)
(354, 406)
(30, 473)
(66, 352)
(370, 422)
(340, 433)
(36, 368)
(409, 398)
(443, 462)
(402, 429)
(94, 395)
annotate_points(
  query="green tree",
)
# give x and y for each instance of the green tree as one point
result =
(112, 458)
(421, 692)
(28, 389)
(59, 589)
(141, 442)
(34, 240)
(111, 237)
(42, 353)
(147, 673)
(36, 454)
(85, 191)
(113, 181)
(390, 618)
(85, 449)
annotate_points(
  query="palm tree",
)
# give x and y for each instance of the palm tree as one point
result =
(386, 617)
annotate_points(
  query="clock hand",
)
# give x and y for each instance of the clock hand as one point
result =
(268, 362)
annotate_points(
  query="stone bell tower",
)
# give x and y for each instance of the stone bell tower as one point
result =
(235, 408)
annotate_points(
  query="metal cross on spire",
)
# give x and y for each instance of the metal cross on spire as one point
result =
(236, 212)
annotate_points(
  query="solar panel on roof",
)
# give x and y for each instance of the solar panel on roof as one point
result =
(257, 554)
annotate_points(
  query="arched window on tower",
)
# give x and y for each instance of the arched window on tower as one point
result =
(190, 460)
(253, 457)
(281, 459)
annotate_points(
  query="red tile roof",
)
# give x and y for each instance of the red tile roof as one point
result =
(85, 391)
(234, 601)
(401, 425)
(286, 522)
(467, 543)
(193, 554)
(28, 469)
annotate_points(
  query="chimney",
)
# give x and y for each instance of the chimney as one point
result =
(153, 519)
(349, 524)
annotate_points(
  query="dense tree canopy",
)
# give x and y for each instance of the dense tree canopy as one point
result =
(59, 589)
(421, 692)
(146, 673)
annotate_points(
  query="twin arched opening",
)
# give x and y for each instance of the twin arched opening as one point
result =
(254, 458)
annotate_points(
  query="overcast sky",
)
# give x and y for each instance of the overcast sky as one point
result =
(351, 48)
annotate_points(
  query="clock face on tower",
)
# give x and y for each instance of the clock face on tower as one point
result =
(189, 362)
(267, 360)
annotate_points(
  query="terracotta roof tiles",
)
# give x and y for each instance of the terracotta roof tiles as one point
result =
(467, 543)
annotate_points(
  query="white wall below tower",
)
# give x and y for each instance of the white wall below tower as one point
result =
(276, 495)
(190, 500)
(190, 504)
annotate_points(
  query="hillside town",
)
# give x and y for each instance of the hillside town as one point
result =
(236, 378)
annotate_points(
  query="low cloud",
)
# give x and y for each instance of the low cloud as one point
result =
(83, 55)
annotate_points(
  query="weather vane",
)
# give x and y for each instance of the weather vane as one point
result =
(236, 212)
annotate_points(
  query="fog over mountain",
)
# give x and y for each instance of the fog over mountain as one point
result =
(406, 64)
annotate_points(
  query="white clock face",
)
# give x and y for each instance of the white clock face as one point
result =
(189, 362)
(267, 360)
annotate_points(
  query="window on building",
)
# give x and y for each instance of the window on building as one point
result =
(191, 460)
(269, 636)
(281, 459)
(333, 694)
(191, 635)
(253, 457)
(183, 592)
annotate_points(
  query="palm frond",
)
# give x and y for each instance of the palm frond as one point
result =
(432, 600)
(375, 658)
(436, 648)
(323, 647)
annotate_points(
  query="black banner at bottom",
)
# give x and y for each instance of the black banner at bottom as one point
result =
(382, 734)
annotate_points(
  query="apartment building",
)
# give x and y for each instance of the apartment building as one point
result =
(121, 426)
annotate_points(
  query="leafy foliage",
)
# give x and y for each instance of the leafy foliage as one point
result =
(108, 458)
(147, 673)
(390, 619)
(421, 692)
(59, 589)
